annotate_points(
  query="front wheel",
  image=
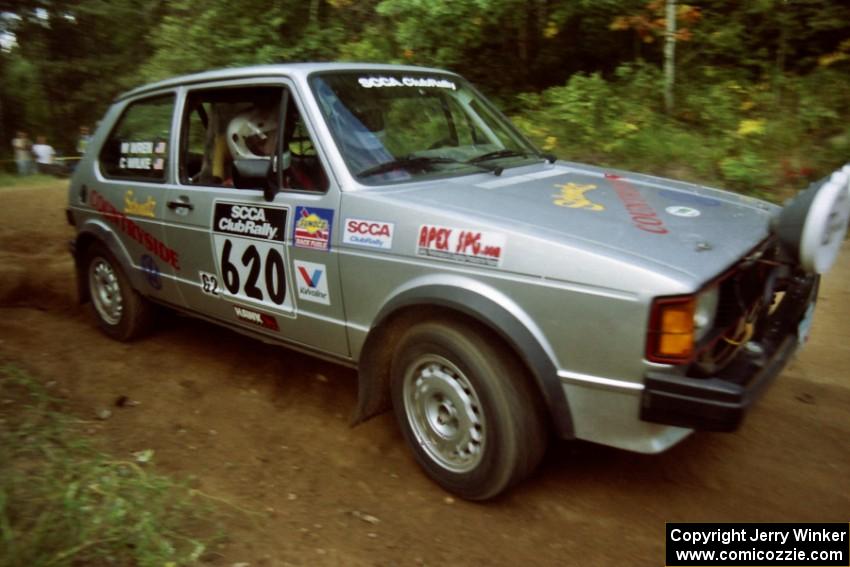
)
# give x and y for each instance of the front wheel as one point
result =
(121, 312)
(467, 409)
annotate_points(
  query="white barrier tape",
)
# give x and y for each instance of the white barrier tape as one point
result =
(70, 158)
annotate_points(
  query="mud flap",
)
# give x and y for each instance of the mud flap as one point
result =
(373, 382)
(373, 396)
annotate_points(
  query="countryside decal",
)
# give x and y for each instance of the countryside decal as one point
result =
(119, 220)
(643, 215)
(461, 245)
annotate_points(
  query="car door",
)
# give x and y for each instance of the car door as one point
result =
(264, 265)
(132, 169)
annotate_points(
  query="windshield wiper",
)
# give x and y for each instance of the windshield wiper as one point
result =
(498, 154)
(417, 162)
(511, 153)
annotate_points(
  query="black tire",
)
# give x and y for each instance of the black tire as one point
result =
(467, 408)
(121, 312)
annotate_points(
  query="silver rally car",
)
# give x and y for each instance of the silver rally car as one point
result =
(391, 219)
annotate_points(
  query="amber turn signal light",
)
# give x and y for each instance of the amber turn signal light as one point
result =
(671, 330)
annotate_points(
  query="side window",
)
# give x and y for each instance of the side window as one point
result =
(137, 147)
(230, 136)
(223, 126)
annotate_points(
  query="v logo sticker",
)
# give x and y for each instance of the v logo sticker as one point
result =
(313, 280)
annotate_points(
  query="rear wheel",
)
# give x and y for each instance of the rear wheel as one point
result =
(121, 312)
(467, 409)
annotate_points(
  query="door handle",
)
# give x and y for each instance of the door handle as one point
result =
(182, 203)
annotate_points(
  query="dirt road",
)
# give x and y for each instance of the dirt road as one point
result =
(267, 430)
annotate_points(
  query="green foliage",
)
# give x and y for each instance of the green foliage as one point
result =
(64, 503)
(747, 170)
(762, 86)
(70, 62)
(224, 33)
(439, 32)
(729, 130)
(590, 117)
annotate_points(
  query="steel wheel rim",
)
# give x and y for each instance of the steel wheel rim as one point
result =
(444, 412)
(106, 291)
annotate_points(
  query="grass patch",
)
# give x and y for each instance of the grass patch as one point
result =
(12, 180)
(65, 503)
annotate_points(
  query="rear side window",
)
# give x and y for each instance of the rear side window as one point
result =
(137, 148)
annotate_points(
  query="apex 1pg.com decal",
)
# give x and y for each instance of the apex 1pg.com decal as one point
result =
(464, 245)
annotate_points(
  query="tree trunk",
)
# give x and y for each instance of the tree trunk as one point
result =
(3, 139)
(781, 54)
(670, 57)
(313, 19)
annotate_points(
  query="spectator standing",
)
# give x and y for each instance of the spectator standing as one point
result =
(83, 141)
(23, 153)
(43, 153)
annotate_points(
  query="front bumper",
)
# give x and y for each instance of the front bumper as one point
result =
(708, 404)
(720, 403)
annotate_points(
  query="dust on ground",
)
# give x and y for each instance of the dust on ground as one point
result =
(267, 431)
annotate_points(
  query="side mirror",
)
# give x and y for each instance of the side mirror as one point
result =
(813, 224)
(271, 189)
(253, 168)
(254, 172)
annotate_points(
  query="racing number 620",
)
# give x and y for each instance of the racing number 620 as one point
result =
(272, 267)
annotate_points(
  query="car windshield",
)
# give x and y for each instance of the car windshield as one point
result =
(402, 126)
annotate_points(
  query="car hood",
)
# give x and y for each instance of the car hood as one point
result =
(693, 230)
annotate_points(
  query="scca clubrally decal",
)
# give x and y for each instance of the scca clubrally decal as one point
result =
(248, 244)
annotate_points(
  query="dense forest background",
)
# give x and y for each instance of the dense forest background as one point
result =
(760, 99)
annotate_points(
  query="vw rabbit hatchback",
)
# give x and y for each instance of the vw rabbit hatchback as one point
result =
(389, 218)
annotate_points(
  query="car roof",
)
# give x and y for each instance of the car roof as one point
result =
(281, 69)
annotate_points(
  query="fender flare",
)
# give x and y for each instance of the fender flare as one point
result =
(504, 318)
(97, 230)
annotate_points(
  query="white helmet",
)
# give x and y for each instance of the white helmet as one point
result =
(251, 134)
